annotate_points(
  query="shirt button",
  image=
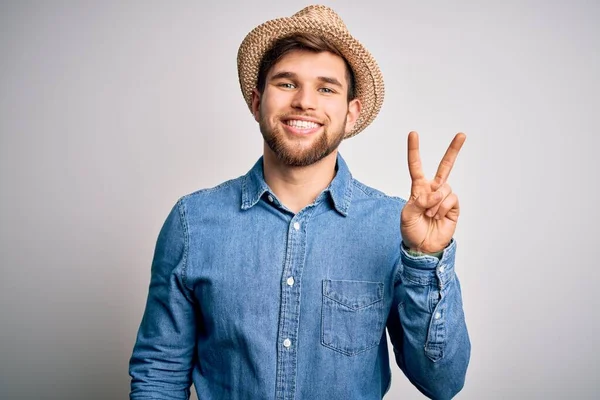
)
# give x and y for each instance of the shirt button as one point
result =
(270, 198)
(442, 268)
(287, 343)
(296, 225)
(290, 281)
(438, 315)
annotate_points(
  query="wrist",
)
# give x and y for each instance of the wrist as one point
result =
(418, 251)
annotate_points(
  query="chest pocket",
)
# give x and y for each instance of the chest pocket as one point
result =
(352, 316)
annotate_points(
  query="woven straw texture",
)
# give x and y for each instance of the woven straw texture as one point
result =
(323, 21)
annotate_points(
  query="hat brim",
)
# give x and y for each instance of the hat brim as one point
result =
(368, 77)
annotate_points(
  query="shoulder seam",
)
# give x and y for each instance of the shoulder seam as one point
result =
(186, 241)
(374, 193)
(212, 189)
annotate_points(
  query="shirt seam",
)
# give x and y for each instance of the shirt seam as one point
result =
(184, 225)
(218, 187)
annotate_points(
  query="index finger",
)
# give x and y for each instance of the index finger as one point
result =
(414, 159)
(448, 160)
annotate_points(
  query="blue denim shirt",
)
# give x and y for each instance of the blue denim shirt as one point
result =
(248, 300)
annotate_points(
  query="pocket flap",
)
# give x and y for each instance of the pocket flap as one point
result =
(353, 294)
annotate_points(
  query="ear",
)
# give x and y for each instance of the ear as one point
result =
(256, 104)
(354, 107)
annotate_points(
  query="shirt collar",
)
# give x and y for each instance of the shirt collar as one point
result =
(340, 188)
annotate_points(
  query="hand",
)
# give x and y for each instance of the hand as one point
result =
(429, 218)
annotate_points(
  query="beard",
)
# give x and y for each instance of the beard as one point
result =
(296, 155)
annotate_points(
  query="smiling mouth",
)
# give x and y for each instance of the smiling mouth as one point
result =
(301, 124)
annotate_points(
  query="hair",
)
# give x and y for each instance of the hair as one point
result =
(301, 41)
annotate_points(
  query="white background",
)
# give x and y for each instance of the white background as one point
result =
(109, 112)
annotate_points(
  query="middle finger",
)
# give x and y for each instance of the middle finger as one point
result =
(449, 157)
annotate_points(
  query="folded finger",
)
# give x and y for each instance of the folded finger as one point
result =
(449, 204)
(442, 193)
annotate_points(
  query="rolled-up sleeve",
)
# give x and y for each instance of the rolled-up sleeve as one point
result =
(162, 361)
(427, 324)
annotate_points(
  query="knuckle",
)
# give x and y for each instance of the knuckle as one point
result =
(447, 163)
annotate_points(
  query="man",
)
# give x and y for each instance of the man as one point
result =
(280, 284)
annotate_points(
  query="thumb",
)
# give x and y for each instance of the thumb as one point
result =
(428, 200)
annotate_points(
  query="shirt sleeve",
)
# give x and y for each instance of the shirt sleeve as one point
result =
(427, 324)
(162, 361)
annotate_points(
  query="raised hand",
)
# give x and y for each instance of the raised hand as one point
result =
(429, 218)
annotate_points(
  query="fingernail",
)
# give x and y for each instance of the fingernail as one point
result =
(430, 213)
(437, 217)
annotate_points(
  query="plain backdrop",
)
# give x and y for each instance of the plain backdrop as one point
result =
(110, 111)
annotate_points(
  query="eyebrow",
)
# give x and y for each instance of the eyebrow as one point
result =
(291, 75)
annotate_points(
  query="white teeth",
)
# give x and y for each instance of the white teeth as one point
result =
(302, 124)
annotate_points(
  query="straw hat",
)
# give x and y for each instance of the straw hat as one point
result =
(322, 21)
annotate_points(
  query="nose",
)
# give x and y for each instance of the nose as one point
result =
(304, 99)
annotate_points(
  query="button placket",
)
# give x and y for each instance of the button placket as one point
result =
(290, 306)
(439, 271)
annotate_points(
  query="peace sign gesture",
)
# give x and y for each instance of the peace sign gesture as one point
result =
(429, 218)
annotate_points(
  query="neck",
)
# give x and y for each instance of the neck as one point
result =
(297, 187)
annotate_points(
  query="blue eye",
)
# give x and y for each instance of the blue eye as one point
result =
(326, 90)
(287, 85)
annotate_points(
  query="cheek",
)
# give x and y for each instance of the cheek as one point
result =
(340, 111)
(270, 105)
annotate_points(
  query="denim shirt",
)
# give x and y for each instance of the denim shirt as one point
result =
(248, 300)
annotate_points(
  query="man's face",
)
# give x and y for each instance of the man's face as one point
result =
(303, 111)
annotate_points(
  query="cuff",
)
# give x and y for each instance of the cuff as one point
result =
(427, 269)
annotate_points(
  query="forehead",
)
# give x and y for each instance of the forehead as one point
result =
(307, 64)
